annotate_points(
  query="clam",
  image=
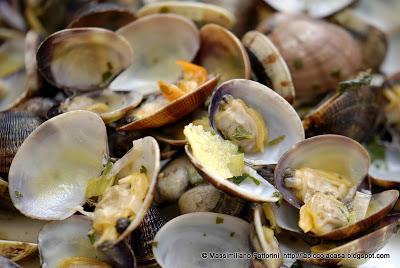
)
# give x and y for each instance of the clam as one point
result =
(283, 128)
(110, 16)
(69, 150)
(336, 115)
(155, 54)
(313, 8)
(110, 105)
(7, 263)
(67, 243)
(222, 53)
(200, 13)
(15, 127)
(83, 59)
(263, 240)
(187, 241)
(313, 75)
(13, 90)
(12, 53)
(207, 198)
(268, 66)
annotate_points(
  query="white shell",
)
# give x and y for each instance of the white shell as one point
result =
(389, 169)
(157, 47)
(181, 241)
(13, 89)
(279, 115)
(64, 239)
(48, 176)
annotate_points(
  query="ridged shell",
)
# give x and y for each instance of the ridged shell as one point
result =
(142, 237)
(314, 52)
(15, 127)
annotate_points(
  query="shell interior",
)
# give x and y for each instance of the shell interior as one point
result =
(69, 150)
(180, 242)
(156, 50)
(13, 89)
(264, 100)
(331, 153)
(16, 250)
(83, 59)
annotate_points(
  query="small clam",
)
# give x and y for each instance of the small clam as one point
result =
(207, 198)
(15, 127)
(313, 8)
(110, 16)
(69, 150)
(7, 263)
(268, 66)
(69, 243)
(245, 101)
(83, 59)
(156, 49)
(222, 53)
(200, 13)
(142, 237)
(15, 250)
(182, 241)
(300, 40)
(110, 105)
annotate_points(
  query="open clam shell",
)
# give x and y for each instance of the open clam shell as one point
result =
(200, 13)
(182, 241)
(331, 153)
(248, 190)
(156, 50)
(83, 59)
(268, 65)
(69, 150)
(174, 110)
(222, 53)
(264, 100)
(313, 8)
(61, 241)
(110, 16)
(13, 90)
(117, 103)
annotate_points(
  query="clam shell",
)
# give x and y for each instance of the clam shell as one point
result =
(174, 110)
(15, 127)
(313, 8)
(336, 115)
(15, 250)
(69, 150)
(267, 102)
(119, 103)
(83, 59)
(222, 53)
(7, 263)
(110, 16)
(38, 106)
(180, 242)
(268, 66)
(200, 13)
(13, 90)
(331, 153)
(60, 240)
(12, 53)
(156, 49)
(248, 190)
(300, 40)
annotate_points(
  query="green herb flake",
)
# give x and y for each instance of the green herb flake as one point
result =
(279, 196)
(336, 73)
(239, 179)
(276, 141)
(242, 134)
(377, 152)
(165, 10)
(18, 194)
(143, 169)
(298, 64)
(107, 74)
(107, 168)
(154, 243)
(219, 220)
(204, 234)
(92, 237)
(232, 234)
(363, 79)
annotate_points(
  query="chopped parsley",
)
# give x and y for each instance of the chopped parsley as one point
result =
(298, 64)
(92, 237)
(364, 79)
(242, 134)
(277, 140)
(377, 152)
(107, 74)
(336, 73)
(219, 220)
(18, 194)
(153, 243)
(239, 179)
(204, 234)
(232, 234)
(143, 169)
(279, 196)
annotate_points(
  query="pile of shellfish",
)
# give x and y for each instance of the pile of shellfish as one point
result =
(209, 133)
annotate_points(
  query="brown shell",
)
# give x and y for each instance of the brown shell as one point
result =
(15, 127)
(337, 114)
(314, 51)
(110, 16)
(174, 110)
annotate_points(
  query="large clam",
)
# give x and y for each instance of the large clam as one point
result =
(306, 44)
